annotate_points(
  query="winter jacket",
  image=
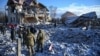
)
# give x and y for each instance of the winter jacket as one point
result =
(40, 37)
(30, 41)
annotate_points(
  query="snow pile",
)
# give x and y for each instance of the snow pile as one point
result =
(75, 42)
(7, 48)
(64, 41)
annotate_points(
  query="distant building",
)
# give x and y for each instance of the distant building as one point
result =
(67, 16)
(83, 20)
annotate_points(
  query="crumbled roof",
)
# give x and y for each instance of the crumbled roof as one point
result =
(90, 15)
(68, 14)
(71, 19)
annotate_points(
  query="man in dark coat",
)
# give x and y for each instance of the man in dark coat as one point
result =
(12, 34)
(20, 31)
(24, 35)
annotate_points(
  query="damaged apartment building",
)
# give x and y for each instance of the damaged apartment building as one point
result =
(26, 11)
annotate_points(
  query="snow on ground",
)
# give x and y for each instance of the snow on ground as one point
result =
(65, 42)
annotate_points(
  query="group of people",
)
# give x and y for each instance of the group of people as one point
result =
(30, 37)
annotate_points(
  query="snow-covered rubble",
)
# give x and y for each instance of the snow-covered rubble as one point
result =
(65, 42)
(77, 42)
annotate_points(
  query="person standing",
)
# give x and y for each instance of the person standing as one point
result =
(40, 40)
(30, 42)
(12, 34)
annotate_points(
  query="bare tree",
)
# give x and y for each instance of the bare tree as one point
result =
(53, 11)
(53, 14)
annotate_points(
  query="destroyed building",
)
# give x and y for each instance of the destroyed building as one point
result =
(85, 19)
(67, 16)
(82, 20)
(26, 11)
